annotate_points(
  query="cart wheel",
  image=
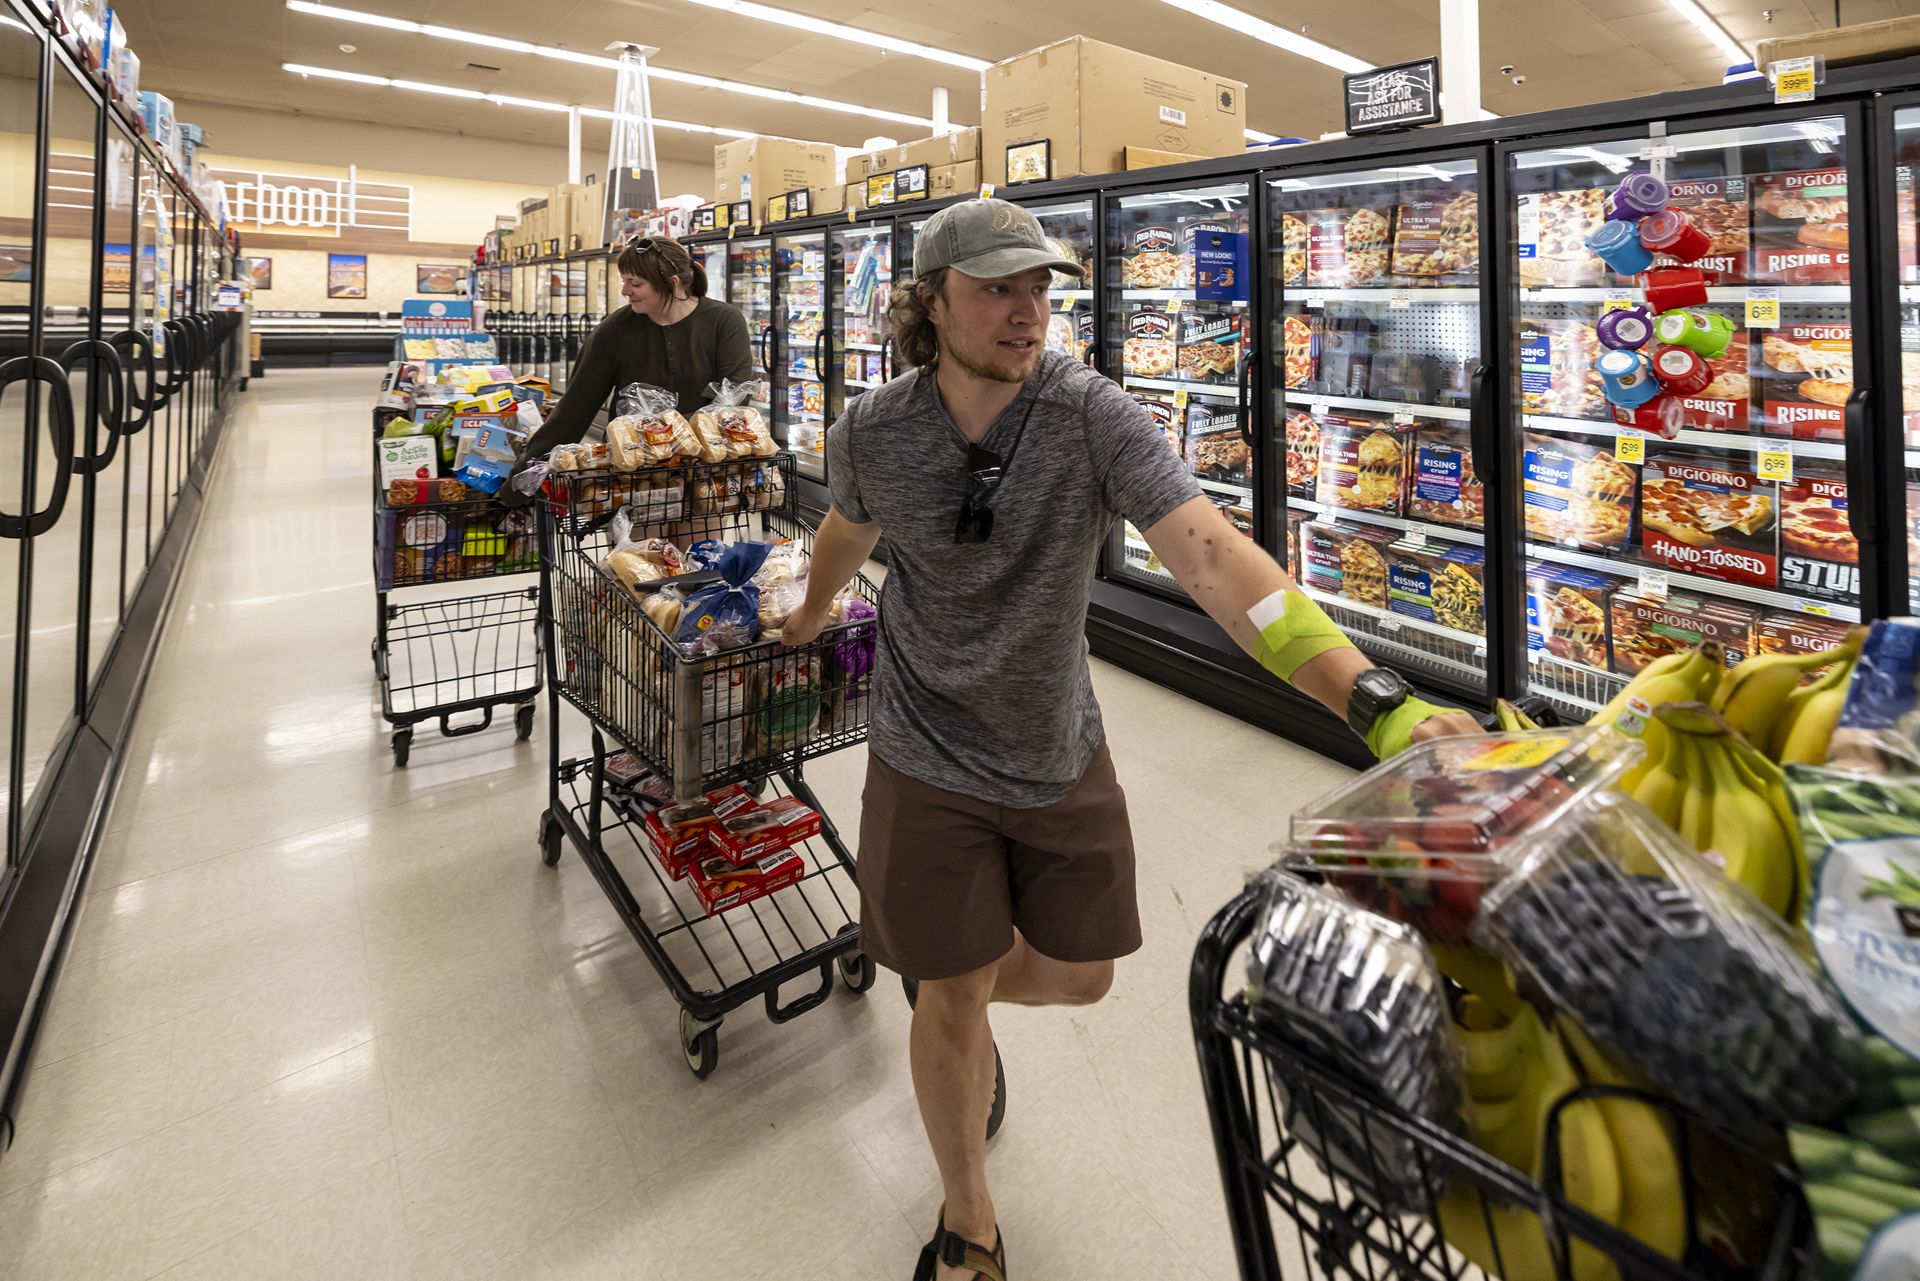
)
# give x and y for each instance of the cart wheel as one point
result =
(700, 1042)
(858, 971)
(402, 745)
(756, 787)
(550, 838)
(523, 722)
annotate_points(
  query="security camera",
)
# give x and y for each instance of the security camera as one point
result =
(1506, 71)
(1519, 80)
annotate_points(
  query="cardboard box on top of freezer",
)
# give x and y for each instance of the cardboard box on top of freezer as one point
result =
(954, 148)
(754, 169)
(1074, 107)
(1860, 42)
(830, 199)
(1148, 158)
(588, 215)
(953, 180)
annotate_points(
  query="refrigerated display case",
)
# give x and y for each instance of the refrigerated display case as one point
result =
(1738, 527)
(798, 350)
(712, 257)
(1072, 329)
(750, 288)
(860, 267)
(1375, 346)
(1905, 129)
(1179, 335)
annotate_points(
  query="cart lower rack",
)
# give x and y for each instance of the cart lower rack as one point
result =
(696, 721)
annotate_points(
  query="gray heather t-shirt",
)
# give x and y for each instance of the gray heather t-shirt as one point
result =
(982, 685)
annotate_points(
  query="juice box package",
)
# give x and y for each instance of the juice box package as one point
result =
(1440, 583)
(1706, 514)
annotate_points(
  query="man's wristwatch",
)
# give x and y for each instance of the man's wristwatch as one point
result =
(1376, 691)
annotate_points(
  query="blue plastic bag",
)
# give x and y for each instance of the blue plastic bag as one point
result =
(726, 614)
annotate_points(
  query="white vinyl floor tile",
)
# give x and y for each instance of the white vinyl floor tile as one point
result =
(323, 1018)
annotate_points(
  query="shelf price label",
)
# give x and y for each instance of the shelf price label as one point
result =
(1180, 398)
(1653, 582)
(1794, 80)
(1776, 465)
(1316, 302)
(1616, 300)
(1415, 538)
(1630, 447)
(1810, 607)
(986, 191)
(1403, 418)
(1400, 300)
(1317, 408)
(1763, 308)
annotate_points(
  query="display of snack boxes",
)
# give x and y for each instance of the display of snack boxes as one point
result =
(1349, 561)
(1348, 248)
(1166, 415)
(1718, 207)
(1647, 627)
(1363, 464)
(1436, 240)
(1152, 344)
(1552, 229)
(1805, 375)
(1568, 609)
(1558, 374)
(1211, 345)
(1443, 486)
(1216, 448)
(1440, 583)
(1706, 515)
(1800, 232)
(1578, 494)
(1303, 454)
(1819, 556)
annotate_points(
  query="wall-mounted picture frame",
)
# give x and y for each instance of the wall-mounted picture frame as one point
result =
(116, 269)
(260, 272)
(439, 278)
(346, 275)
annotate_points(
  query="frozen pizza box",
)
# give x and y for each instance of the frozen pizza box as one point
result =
(1910, 382)
(1436, 240)
(1363, 464)
(1150, 257)
(1800, 231)
(1567, 611)
(1293, 249)
(1442, 485)
(1166, 415)
(1781, 633)
(1552, 229)
(1805, 375)
(1348, 561)
(1577, 494)
(1913, 547)
(1348, 248)
(1646, 627)
(1211, 346)
(1295, 520)
(1718, 207)
(1726, 403)
(1303, 454)
(1216, 448)
(1299, 351)
(1152, 344)
(1905, 221)
(1819, 557)
(1559, 373)
(1705, 514)
(1440, 583)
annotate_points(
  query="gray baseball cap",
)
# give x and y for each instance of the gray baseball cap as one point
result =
(987, 239)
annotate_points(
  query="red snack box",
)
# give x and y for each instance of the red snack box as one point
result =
(677, 848)
(799, 820)
(720, 886)
(749, 834)
(1800, 232)
(1703, 515)
(1819, 557)
(1806, 375)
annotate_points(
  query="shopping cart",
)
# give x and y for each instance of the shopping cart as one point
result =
(452, 655)
(751, 716)
(1271, 1094)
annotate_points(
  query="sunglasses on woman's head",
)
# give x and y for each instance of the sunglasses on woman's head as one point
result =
(984, 469)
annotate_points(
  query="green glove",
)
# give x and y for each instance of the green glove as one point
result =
(1392, 733)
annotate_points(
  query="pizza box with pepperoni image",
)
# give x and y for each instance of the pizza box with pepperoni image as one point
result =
(1567, 610)
(1443, 486)
(1819, 556)
(1216, 449)
(1151, 258)
(1348, 248)
(1436, 240)
(1718, 207)
(1211, 345)
(1440, 583)
(1293, 249)
(1805, 375)
(1800, 232)
(1348, 561)
(1559, 370)
(1577, 494)
(1295, 519)
(1363, 463)
(1552, 229)
(1166, 416)
(1299, 351)
(1797, 634)
(1705, 514)
(1152, 345)
(1645, 627)
(1303, 454)
(1726, 403)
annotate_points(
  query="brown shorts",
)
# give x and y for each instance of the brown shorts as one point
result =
(946, 878)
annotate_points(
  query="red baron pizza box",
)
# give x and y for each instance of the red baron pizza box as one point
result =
(1443, 486)
(1726, 404)
(720, 886)
(1349, 561)
(1303, 454)
(1800, 232)
(1151, 345)
(1717, 206)
(1805, 375)
(1151, 260)
(1216, 449)
(1165, 415)
(677, 849)
(1363, 463)
(1645, 628)
(1797, 634)
(1704, 515)
(1819, 558)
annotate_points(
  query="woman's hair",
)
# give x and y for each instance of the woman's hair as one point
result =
(914, 335)
(658, 261)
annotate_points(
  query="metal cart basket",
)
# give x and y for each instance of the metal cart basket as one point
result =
(751, 715)
(453, 655)
(1270, 1093)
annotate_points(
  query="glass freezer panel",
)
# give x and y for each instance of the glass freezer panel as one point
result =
(712, 257)
(1906, 127)
(1071, 330)
(108, 510)
(750, 288)
(861, 269)
(800, 350)
(143, 450)
(1179, 333)
(1374, 350)
(1718, 508)
(19, 122)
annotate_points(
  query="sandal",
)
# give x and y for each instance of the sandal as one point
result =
(958, 1252)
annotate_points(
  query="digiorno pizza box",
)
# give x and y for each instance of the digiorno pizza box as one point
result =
(1576, 493)
(1303, 454)
(1703, 514)
(1805, 375)
(1726, 403)
(1165, 415)
(1438, 582)
(1779, 633)
(1646, 627)
(1719, 207)
(1349, 561)
(1819, 557)
(1442, 485)
(1363, 463)
(1552, 229)
(1567, 611)
(1800, 231)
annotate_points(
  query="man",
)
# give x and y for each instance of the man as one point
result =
(996, 863)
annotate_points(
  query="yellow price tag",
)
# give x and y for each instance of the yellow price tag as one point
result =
(1630, 447)
(1794, 80)
(986, 191)
(1616, 300)
(1776, 465)
(852, 214)
(1810, 608)
(1174, 304)
(756, 228)
(731, 228)
(1763, 308)
(1180, 398)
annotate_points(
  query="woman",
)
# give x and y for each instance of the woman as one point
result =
(669, 335)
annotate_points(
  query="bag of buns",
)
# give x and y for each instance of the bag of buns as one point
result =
(634, 571)
(663, 607)
(648, 430)
(730, 419)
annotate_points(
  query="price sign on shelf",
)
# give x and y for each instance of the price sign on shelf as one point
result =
(1616, 300)
(1316, 302)
(1794, 80)
(1763, 308)
(986, 191)
(1400, 299)
(1317, 407)
(1809, 607)
(1390, 625)
(1180, 398)
(1175, 303)
(1415, 538)
(1653, 582)
(1776, 465)
(1630, 447)
(1403, 418)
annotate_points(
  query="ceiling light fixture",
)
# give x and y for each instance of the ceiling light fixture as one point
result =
(1712, 30)
(1255, 136)
(656, 71)
(1279, 37)
(499, 99)
(839, 30)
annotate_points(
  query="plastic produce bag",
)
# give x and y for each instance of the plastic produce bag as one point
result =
(1364, 992)
(1688, 978)
(706, 554)
(725, 615)
(1879, 729)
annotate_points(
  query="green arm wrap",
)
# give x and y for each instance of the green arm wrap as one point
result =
(1293, 630)
(1392, 734)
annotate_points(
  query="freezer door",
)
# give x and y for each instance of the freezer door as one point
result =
(1718, 509)
(750, 288)
(21, 57)
(1906, 142)
(860, 269)
(1069, 225)
(799, 350)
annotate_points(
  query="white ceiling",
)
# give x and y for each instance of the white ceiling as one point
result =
(1570, 52)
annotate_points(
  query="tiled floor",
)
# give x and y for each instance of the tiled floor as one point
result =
(324, 1018)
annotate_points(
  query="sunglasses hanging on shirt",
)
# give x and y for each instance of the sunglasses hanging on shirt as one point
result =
(985, 470)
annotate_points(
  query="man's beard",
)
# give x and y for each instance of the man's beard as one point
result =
(997, 372)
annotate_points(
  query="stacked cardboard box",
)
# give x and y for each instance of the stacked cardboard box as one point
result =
(755, 169)
(945, 149)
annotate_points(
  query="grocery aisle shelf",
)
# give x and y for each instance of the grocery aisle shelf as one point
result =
(1214, 391)
(1451, 533)
(1392, 622)
(1703, 439)
(1385, 293)
(1694, 582)
(1226, 487)
(864, 346)
(1715, 293)
(1318, 404)
(1168, 295)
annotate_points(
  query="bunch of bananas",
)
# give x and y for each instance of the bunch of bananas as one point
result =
(1617, 1155)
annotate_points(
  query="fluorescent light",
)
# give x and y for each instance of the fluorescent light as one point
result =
(599, 60)
(448, 91)
(1260, 29)
(839, 30)
(1705, 24)
(302, 70)
(500, 99)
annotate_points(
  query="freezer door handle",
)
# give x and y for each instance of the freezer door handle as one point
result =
(1480, 426)
(105, 379)
(1244, 403)
(60, 417)
(1859, 446)
(143, 403)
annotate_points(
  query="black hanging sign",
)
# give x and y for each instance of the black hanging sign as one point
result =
(1396, 97)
